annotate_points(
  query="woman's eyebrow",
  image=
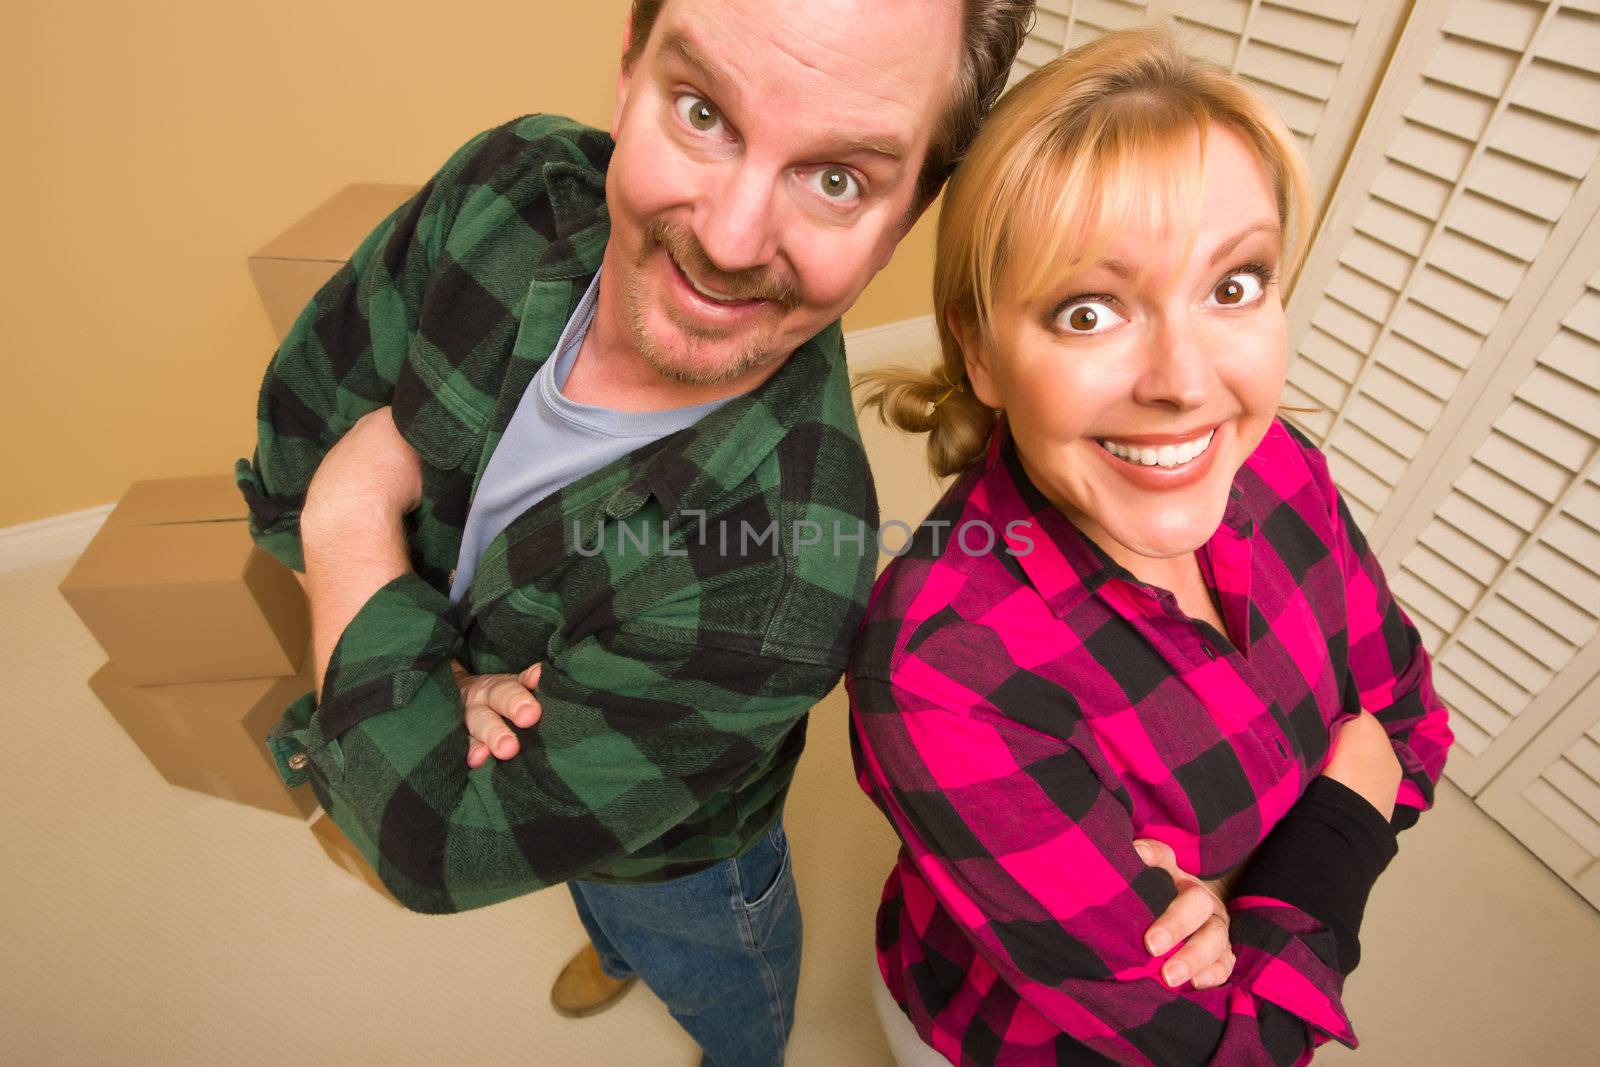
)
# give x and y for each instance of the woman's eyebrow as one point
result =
(1269, 225)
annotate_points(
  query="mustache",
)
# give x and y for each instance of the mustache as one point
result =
(755, 283)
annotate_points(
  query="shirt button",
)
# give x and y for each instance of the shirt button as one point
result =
(297, 761)
(451, 578)
(1211, 653)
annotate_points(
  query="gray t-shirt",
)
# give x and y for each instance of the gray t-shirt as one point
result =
(552, 441)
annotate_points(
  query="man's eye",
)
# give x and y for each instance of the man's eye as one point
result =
(698, 112)
(1239, 289)
(836, 184)
(1087, 317)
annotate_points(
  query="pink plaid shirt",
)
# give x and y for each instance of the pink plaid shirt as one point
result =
(1022, 714)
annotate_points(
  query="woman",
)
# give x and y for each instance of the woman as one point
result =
(1112, 695)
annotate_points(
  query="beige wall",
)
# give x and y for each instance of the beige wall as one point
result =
(150, 148)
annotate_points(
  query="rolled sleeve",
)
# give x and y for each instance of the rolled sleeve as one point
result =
(1323, 858)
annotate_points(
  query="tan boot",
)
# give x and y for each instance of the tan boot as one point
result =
(582, 988)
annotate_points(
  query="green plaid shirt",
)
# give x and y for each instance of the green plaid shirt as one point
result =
(690, 601)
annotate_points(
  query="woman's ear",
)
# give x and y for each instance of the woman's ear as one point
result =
(974, 352)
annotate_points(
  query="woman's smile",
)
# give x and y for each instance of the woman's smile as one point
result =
(1161, 462)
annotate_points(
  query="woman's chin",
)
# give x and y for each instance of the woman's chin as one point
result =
(1166, 536)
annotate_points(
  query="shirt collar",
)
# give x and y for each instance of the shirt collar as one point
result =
(1064, 566)
(576, 195)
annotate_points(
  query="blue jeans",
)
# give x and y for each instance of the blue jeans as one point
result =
(720, 947)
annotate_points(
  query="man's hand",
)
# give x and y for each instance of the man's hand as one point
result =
(1363, 759)
(1198, 914)
(370, 468)
(490, 698)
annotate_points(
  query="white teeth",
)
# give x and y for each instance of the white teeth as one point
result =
(1164, 456)
(720, 298)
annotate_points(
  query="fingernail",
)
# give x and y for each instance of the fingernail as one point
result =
(1143, 850)
(524, 712)
(1176, 973)
(505, 744)
(1159, 942)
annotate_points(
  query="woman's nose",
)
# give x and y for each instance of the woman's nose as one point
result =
(1179, 370)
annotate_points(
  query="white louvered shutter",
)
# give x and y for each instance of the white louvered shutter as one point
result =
(1503, 579)
(1448, 320)
(1315, 60)
(1422, 273)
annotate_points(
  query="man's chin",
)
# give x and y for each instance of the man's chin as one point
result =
(693, 357)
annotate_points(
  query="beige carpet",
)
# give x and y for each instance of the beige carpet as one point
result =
(145, 924)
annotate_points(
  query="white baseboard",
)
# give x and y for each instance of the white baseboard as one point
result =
(913, 341)
(47, 540)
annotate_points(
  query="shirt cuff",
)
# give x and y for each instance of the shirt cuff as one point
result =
(295, 743)
(275, 527)
(1323, 858)
(386, 653)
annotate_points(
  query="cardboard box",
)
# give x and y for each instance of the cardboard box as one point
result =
(175, 591)
(289, 269)
(344, 854)
(211, 736)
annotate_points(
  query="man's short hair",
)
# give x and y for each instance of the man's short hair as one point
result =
(992, 32)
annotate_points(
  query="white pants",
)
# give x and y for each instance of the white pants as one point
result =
(904, 1042)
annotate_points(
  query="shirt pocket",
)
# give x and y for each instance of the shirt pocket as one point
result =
(432, 418)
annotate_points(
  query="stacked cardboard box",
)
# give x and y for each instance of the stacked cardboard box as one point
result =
(206, 634)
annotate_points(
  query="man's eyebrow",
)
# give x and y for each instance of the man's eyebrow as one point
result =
(676, 44)
(887, 147)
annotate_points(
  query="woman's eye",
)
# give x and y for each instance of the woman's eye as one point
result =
(1239, 289)
(699, 113)
(836, 184)
(1088, 317)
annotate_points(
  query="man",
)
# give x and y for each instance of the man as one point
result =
(569, 444)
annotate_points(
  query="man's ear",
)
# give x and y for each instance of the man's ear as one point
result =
(974, 353)
(624, 76)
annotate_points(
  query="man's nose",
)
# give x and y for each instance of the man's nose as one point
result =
(735, 221)
(1179, 370)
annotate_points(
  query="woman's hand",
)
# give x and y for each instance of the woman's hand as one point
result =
(1363, 759)
(1198, 914)
(489, 698)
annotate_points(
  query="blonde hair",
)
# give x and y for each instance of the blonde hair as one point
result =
(1094, 141)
